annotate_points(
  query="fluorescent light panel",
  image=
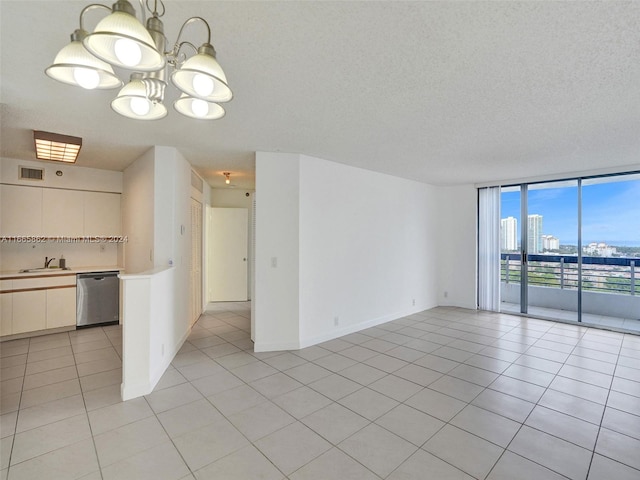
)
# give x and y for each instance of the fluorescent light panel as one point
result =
(56, 147)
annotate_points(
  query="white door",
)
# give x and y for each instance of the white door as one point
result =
(196, 260)
(228, 252)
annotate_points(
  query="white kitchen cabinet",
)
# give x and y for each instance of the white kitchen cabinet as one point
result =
(6, 313)
(21, 210)
(61, 307)
(37, 303)
(29, 311)
(101, 214)
(62, 213)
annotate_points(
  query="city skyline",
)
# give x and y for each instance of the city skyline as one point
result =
(611, 211)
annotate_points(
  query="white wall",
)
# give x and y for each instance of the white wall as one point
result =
(73, 177)
(158, 195)
(457, 246)
(347, 242)
(230, 198)
(138, 213)
(368, 248)
(179, 229)
(276, 297)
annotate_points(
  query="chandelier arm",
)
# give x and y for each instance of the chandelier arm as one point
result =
(187, 22)
(175, 56)
(144, 12)
(93, 6)
(176, 50)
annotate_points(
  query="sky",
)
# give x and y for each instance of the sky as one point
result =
(610, 211)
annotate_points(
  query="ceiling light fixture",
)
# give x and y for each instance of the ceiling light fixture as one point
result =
(121, 40)
(226, 176)
(57, 147)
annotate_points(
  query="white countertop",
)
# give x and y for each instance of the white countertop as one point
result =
(60, 271)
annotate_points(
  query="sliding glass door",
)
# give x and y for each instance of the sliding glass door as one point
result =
(552, 250)
(539, 249)
(570, 250)
(611, 251)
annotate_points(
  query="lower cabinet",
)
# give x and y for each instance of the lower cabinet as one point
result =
(6, 313)
(29, 311)
(61, 307)
(35, 304)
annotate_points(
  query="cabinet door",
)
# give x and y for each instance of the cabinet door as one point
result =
(6, 313)
(21, 210)
(101, 214)
(62, 212)
(61, 307)
(29, 311)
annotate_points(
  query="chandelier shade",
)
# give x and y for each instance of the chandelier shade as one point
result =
(201, 76)
(132, 102)
(198, 108)
(74, 65)
(123, 41)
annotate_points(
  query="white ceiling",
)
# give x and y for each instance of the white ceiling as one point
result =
(440, 92)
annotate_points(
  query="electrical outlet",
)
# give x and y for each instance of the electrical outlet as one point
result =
(274, 262)
(446, 294)
(413, 302)
(336, 321)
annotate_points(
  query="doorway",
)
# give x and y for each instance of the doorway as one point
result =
(228, 255)
(196, 260)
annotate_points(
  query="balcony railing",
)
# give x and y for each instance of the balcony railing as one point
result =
(599, 274)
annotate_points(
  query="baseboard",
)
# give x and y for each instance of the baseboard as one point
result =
(276, 347)
(131, 391)
(339, 332)
(310, 341)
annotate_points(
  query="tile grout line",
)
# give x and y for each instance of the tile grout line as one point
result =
(527, 417)
(468, 323)
(86, 411)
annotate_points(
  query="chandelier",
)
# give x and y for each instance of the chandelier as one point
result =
(121, 40)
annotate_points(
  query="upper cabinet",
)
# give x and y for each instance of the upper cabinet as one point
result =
(21, 210)
(52, 212)
(101, 213)
(62, 213)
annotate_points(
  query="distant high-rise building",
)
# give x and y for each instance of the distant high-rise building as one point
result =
(549, 242)
(534, 233)
(509, 233)
(600, 250)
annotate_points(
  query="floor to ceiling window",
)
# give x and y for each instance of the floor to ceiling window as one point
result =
(570, 250)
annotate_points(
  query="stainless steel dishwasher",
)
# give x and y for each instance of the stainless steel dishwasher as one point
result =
(98, 299)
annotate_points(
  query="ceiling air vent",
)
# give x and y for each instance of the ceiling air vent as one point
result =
(27, 173)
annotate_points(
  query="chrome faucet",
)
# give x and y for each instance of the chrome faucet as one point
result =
(47, 261)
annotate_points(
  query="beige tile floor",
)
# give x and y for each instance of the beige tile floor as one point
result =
(631, 325)
(444, 394)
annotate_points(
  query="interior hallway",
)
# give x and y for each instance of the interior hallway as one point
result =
(446, 393)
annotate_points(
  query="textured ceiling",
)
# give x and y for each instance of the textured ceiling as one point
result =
(440, 92)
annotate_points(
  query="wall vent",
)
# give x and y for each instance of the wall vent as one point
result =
(27, 173)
